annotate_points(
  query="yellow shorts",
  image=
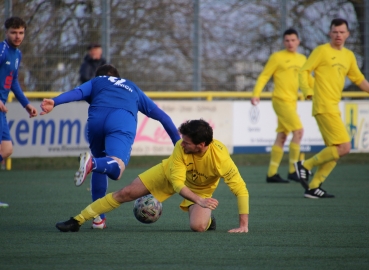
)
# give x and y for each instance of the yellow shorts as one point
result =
(159, 186)
(332, 128)
(288, 119)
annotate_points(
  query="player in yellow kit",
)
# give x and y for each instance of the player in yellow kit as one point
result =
(331, 63)
(283, 66)
(193, 170)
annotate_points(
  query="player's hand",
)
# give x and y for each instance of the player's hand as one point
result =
(3, 108)
(255, 101)
(32, 111)
(47, 105)
(309, 97)
(239, 230)
(210, 203)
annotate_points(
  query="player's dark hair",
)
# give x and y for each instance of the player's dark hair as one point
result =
(338, 22)
(107, 70)
(15, 22)
(198, 131)
(290, 31)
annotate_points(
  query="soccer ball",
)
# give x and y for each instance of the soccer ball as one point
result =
(147, 209)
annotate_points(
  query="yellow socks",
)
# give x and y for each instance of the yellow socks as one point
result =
(98, 207)
(293, 156)
(322, 173)
(327, 154)
(275, 159)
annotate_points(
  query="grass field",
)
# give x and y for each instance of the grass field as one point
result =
(286, 231)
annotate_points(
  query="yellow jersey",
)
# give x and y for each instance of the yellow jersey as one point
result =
(201, 174)
(330, 67)
(284, 67)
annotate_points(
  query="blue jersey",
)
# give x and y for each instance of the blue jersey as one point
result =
(10, 59)
(118, 93)
(112, 92)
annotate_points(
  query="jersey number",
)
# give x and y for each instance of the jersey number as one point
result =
(8, 81)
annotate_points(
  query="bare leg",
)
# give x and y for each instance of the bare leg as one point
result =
(199, 218)
(131, 192)
(6, 149)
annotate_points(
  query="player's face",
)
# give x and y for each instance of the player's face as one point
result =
(15, 36)
(291, 42)
(189, 147)
(338, 35)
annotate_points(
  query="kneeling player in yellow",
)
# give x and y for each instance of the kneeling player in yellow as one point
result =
(331, 63)
(193, 170)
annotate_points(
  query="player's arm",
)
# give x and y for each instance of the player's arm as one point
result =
(210, 203)
(150, 109)
(237, 185)
(364, 85)
(81, 92)
(244, 224)
(355, 75)
(306, 84)
(263, 78)
(159, 115)
(18, 93)
(3, 108)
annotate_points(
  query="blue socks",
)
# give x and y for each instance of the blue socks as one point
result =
(106, 165)
(1, 158)
(99, 186)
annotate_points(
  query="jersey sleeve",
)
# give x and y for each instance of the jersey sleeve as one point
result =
(354, 73)
(236, 184)
(265, 75)
(177, 168)
(305, 82)
(17, 90)
(159, 115)
(72, 95)
(145, 104)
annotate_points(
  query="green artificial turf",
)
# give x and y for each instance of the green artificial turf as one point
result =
(286, 231)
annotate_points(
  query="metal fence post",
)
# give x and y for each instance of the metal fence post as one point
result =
(105, 28)
(196, 47)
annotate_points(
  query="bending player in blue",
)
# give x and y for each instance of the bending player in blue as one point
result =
(112, 123)
(10, 58)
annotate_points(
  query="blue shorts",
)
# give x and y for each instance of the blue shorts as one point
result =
(111, 132)
(4, 128)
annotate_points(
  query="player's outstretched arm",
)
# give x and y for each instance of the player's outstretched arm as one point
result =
(244, 224)
(47, 105)
(32, 111)
(210, 203)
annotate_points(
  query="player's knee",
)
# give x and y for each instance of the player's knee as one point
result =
(297, 135)
(5, 153)
(198, 228)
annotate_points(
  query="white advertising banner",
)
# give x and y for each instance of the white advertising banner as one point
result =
(254, 128)
(63, 131)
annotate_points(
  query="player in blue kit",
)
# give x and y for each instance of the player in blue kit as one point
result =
(10, 58)
(112, 123)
